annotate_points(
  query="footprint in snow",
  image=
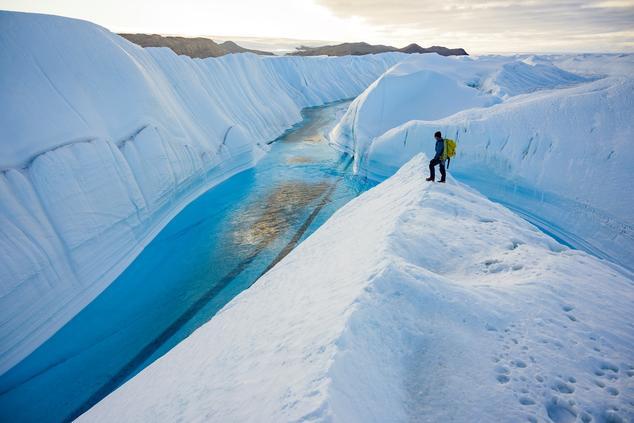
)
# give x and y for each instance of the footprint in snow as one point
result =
(503, 379)
(563, 387)
(561, 411)
(526, 401)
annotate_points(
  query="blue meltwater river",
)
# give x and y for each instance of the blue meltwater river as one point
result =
(214, 249)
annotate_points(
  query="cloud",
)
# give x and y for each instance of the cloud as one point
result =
(609, 4)
(534, 25)
(480, 26)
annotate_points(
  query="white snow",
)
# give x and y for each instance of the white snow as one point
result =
(102, 142)
(562, 156)
(415, 301)
(589, 65)
(430, 87)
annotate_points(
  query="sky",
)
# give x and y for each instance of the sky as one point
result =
(479, 26)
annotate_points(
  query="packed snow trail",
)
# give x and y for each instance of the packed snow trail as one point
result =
(415, 301)
(218, 246)
(103, 142)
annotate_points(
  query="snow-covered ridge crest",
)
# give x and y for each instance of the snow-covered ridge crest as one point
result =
(436, 294)
(102, 142)
(559, 149)
(432, 87)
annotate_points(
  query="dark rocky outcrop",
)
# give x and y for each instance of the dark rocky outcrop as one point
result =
(192, 47)
(359, 49)
(443, 51)
(205, 47)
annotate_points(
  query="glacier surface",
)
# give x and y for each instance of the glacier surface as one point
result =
(556, 145)
(413, 302)
(102, 142)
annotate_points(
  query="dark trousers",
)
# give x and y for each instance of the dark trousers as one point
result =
(432, 170)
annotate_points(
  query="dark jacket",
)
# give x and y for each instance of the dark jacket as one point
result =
(440, 147)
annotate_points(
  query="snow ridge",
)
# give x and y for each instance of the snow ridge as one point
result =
(103, 142)
(520, 78)
(449, 291)
(560, 156)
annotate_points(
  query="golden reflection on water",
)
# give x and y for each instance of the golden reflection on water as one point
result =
(312, 132)
(314, 138)
(264, 221)
(299, 160)
(306, 134)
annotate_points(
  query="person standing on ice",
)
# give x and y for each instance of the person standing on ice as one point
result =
(437, 160)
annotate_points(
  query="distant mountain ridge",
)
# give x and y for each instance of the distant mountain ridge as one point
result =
(361, 48)
(193, 47)
(204, 47)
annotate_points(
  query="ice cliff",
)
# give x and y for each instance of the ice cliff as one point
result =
(102, 142)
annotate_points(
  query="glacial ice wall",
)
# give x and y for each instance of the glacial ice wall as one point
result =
(102, 142)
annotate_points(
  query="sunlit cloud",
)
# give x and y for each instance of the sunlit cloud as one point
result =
(483, 26)
(480, 26)
(609, 4)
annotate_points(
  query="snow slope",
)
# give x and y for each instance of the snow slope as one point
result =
(430, 87)
(415, 302)
(590, 65)
(560, 156)
(102, 142)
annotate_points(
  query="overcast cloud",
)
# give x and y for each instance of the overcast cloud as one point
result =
(500, 25)
(479, 26)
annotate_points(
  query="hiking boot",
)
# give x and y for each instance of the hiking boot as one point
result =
(442, 181)
(430, 179)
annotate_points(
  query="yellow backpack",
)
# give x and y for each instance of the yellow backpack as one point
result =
(449, 151)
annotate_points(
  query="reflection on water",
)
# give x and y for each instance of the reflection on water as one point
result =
(215, 248)
(311, 130)
(299, 160)
(265, 221)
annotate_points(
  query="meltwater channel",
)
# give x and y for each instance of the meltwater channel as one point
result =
(215, 248)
